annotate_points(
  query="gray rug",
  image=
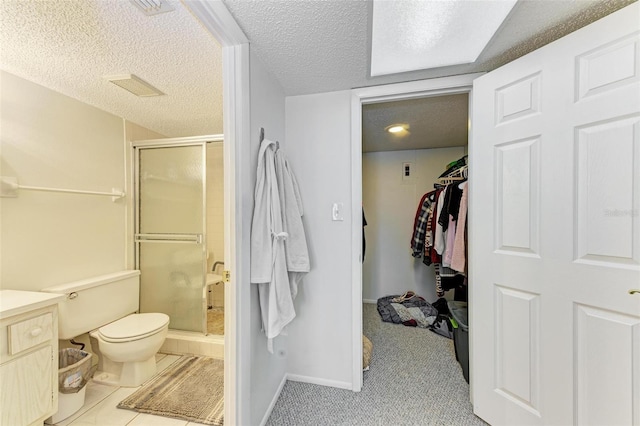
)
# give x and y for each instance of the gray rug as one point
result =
(414, 379)
(190, 389)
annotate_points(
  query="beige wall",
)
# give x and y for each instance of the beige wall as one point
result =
(48, 139)
(51, 140)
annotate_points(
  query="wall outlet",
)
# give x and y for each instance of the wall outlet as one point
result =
(408, 173)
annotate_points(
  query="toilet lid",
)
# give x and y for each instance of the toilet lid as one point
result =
(133, 327)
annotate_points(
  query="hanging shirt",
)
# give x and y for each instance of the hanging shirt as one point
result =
(458, 259)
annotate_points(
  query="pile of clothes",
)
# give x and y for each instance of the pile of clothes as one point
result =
(413, 311)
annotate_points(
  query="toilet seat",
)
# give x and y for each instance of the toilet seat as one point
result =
(133, 327)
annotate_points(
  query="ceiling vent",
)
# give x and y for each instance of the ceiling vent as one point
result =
(135, 85)
(152, 7)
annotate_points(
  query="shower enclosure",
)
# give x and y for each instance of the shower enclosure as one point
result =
(171, 229)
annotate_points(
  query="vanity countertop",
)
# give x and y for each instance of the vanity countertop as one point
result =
(14, 302)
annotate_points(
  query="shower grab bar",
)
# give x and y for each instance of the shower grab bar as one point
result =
(9, 188)
(216, 264)
(169, 238)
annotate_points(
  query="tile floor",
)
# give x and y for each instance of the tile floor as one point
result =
(101, 400)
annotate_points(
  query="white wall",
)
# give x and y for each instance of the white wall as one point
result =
(48, 139)
(318, 148)
(390, 205)
(267, 370)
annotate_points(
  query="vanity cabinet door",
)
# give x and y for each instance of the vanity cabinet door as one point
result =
(27, 388)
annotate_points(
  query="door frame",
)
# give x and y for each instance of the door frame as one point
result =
(370, 95)
(217, 19)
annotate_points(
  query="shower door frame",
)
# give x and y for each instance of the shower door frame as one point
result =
(201, 141)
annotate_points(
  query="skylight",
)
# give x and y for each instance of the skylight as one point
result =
(412, 35)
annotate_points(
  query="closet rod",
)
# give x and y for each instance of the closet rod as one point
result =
(10, 186)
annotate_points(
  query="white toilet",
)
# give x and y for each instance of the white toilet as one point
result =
(125, 342)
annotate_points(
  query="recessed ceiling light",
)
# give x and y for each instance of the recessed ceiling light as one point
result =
(397, 129)
(134, 84)
(412, 35)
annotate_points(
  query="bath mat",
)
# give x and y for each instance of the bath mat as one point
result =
(190, 389)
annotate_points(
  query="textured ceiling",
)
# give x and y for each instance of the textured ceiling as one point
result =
(310, 46)
(435, 122)
(314, 46)
(69, 46)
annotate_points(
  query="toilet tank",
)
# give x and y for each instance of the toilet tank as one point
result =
(94, 302)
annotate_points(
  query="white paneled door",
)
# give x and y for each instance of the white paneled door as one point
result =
(555, 231)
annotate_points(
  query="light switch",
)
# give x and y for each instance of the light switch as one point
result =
(336, 211)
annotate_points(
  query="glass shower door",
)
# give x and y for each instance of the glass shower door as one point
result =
(171, 253)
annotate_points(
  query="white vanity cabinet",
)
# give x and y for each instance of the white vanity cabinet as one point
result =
(28, 357)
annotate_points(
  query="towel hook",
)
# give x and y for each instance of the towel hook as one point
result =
(262, 138)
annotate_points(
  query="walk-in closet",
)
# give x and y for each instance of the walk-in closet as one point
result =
(414, 271)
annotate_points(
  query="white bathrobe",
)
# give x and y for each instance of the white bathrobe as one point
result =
(295, 246)
(273, 216)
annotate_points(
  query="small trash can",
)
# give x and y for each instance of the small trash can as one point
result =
(460, 315)
(74, 371)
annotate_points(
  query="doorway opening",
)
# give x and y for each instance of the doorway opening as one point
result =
(375, 95)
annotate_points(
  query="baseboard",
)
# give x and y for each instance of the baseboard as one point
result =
(318, 381)
(372, 301)
(267, 414)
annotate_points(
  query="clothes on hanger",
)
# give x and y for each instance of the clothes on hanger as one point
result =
(420, 223)
(440, 231)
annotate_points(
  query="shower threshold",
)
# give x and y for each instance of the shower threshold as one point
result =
(180, 342)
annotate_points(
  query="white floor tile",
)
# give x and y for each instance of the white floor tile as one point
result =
(149, 420)
(93, 395)
(166, 362)
(101, 401)
(105, 413)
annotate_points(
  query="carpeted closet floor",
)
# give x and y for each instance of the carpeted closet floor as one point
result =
(414, 379)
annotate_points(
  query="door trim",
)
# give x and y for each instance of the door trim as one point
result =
(236, 108)
(359, 97)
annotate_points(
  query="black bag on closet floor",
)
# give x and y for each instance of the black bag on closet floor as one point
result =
(442, 306)
(442, 326)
